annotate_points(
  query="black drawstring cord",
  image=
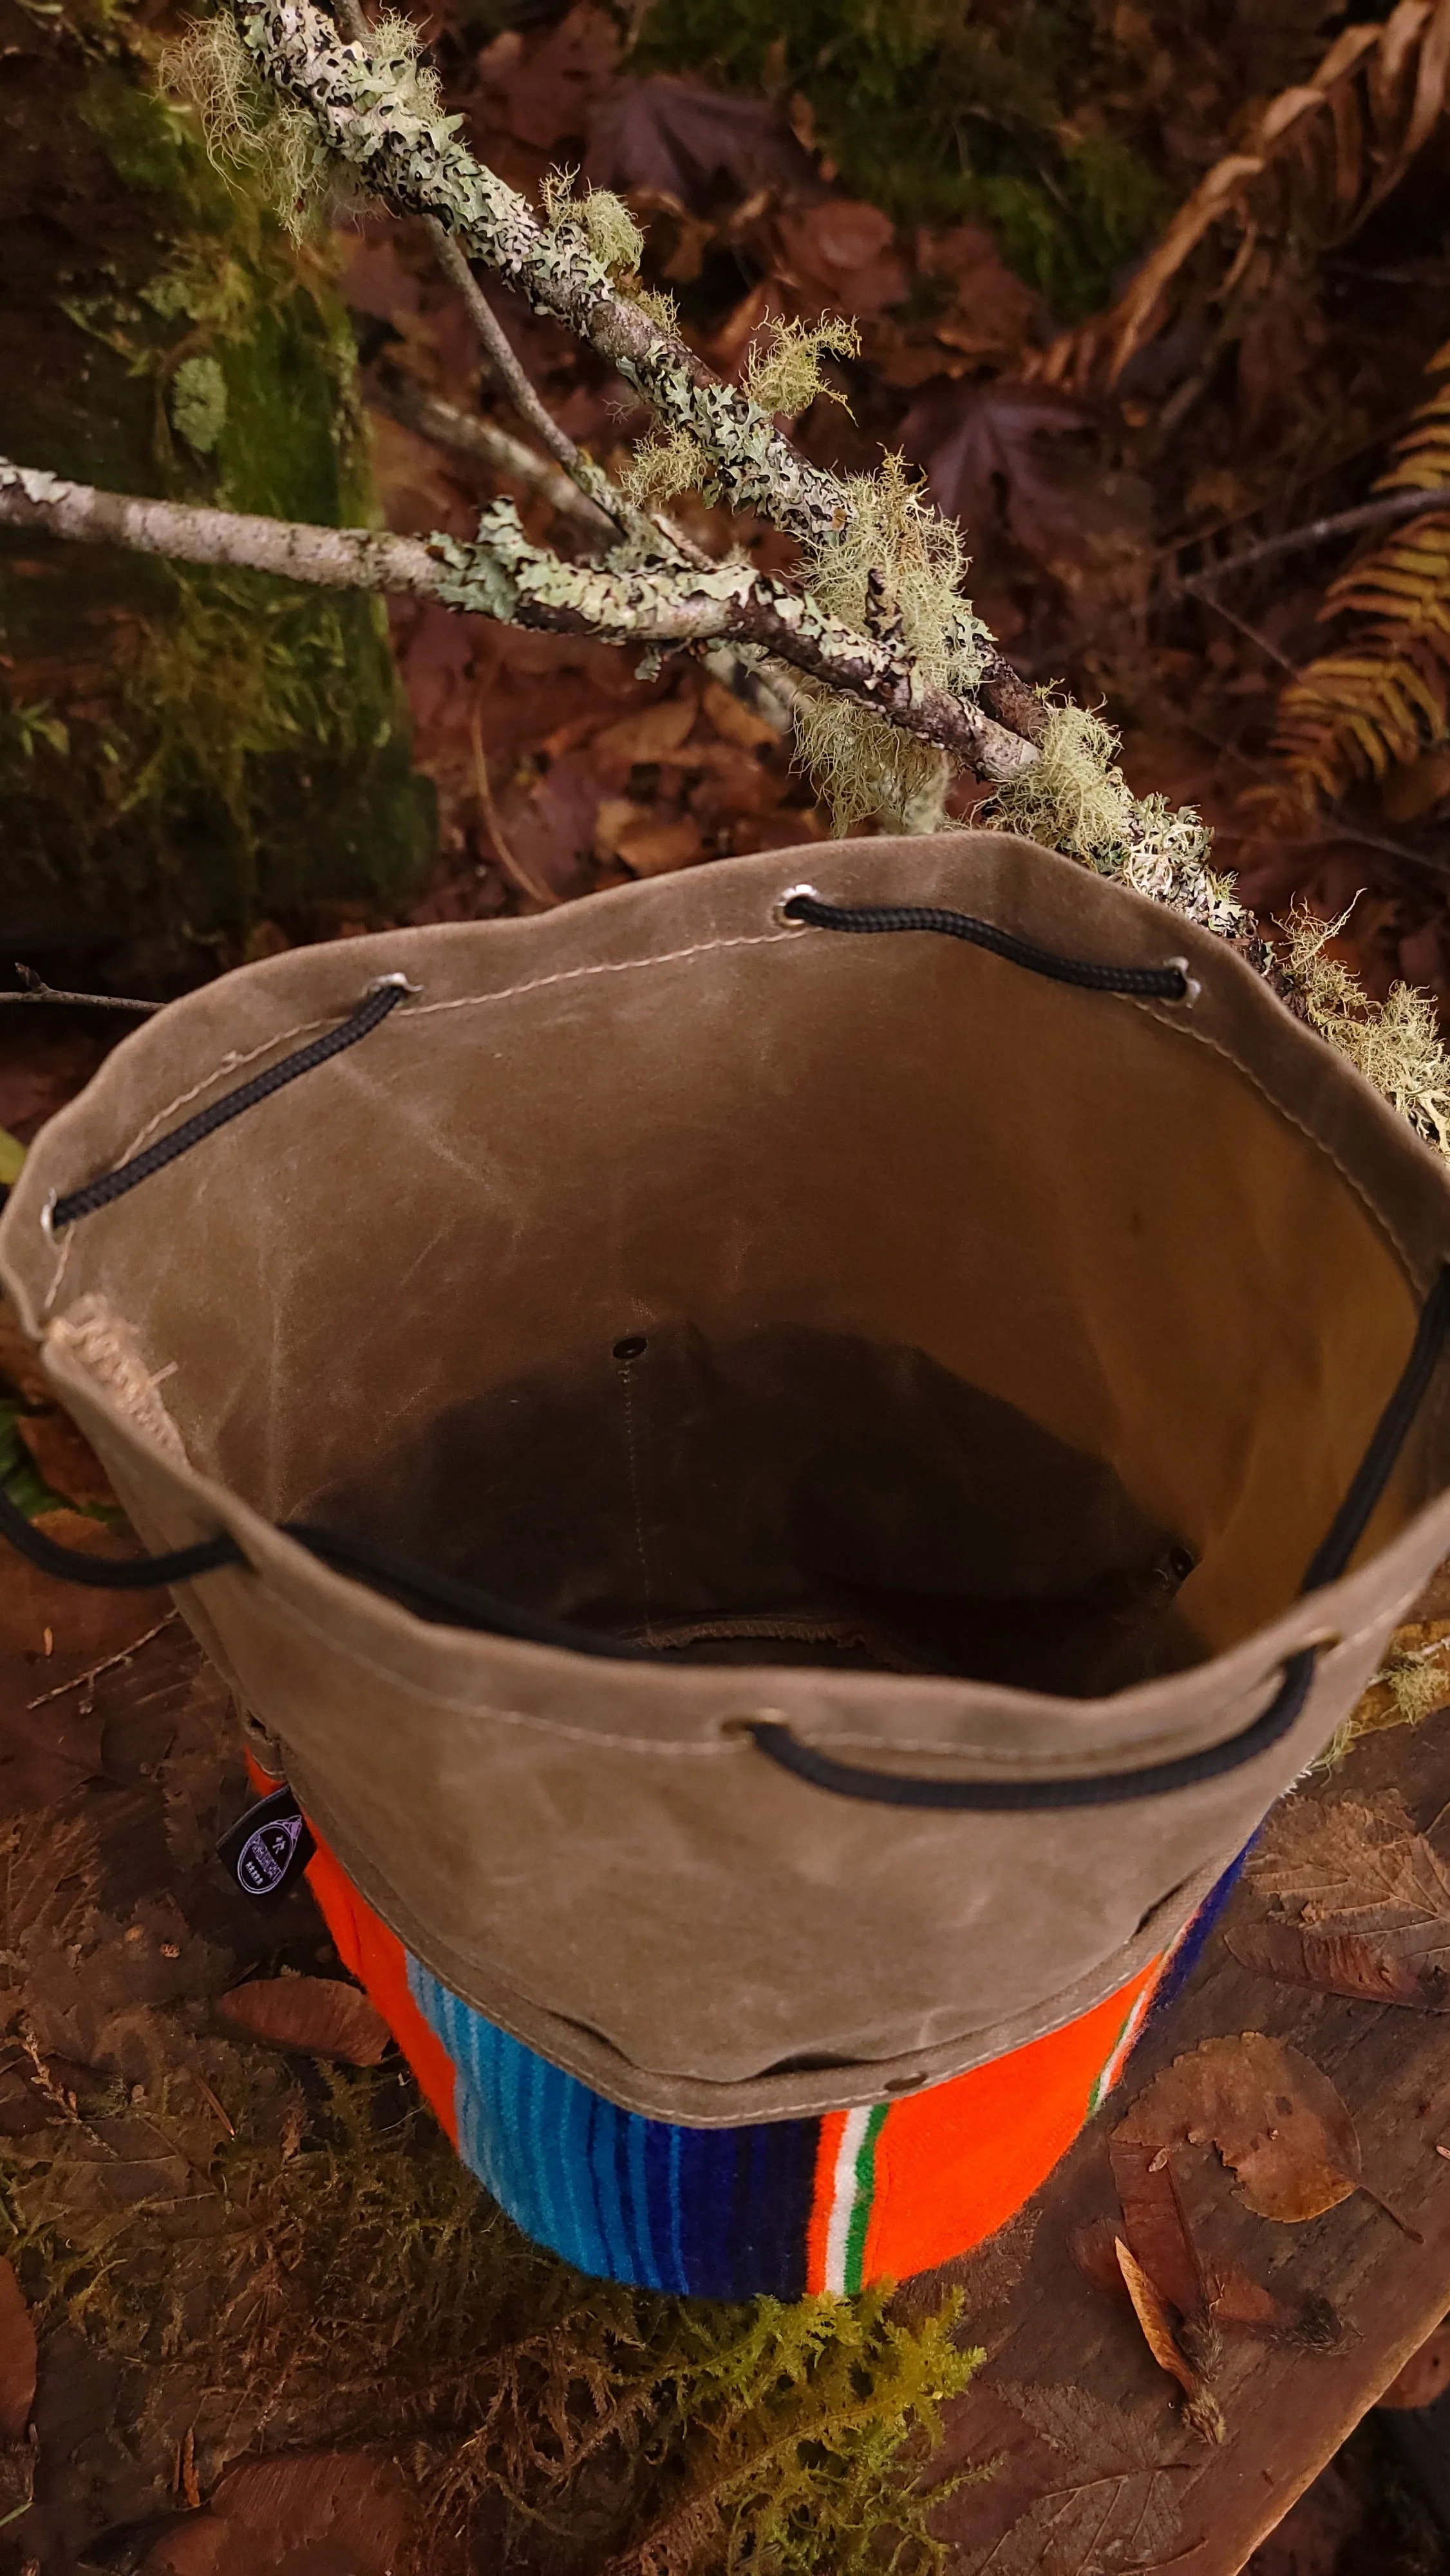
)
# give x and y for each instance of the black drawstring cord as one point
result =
(443, 1597)
(1170, 982)
(384, 997)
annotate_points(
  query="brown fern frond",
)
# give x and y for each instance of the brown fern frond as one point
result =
(1322, 156)
(1385, 700)
(1424, 451)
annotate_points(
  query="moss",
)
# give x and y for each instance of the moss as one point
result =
(213, 747)
(940, 117)
(354, 2285)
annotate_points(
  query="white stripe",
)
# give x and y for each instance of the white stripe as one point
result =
(843, 2198)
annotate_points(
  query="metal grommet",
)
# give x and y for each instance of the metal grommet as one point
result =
(399, 983)
(778, 908)
(1192, 986)
(47, 1216)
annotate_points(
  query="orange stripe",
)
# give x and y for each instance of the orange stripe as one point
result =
(954, 2164)
(376, 1957)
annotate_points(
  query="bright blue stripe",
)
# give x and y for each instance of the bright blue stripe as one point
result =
(603, 2167)
(649, 2270)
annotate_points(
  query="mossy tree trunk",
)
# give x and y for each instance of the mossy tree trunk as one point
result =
(182, 751)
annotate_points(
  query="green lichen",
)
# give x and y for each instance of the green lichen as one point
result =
(198, 403)
(785, 376)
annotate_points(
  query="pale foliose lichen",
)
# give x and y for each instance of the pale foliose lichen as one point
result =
(198, 403)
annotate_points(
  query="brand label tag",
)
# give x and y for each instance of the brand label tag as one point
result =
(268, 1848)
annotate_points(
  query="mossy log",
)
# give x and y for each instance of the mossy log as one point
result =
(182, 751)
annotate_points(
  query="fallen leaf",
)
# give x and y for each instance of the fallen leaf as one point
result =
(318, 2014)
(985, 460)
(85, 1624)
(350, 2508)
(1424, 2375)
(545, 92)
(1364, 1966)
(733, 720)
(680, 139)
(1155, 2221)
(19, 1366)
(650, 735)
(65, 1458)
(1271, 2114)
(1352, 1861)
(643, 841)
(839, 254)
(1156, 2318)
(17, 2357)
(1113, 2504)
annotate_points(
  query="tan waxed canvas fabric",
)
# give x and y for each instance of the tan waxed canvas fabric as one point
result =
(960, 1367)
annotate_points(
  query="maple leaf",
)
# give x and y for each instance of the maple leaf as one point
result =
(17, 2357)
(986, 461)
(1119, 2510)
(676, 138)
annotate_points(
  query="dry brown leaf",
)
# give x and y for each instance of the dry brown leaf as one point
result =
(1362, 1965)
(1424, 2376)
(65, 1458)
(1156, 2318)
(1114, 2502)
(83, 1625)
(733, 720)
(1352, 1862)
(677, 138)
(19, 1366)
(650, 735)
(1155, 2221)
(644, 841)
(318, 2014)
(335, 2509)
(1271, 2114)
(17, 2357)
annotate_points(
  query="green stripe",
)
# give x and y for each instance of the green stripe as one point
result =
(1099, 2093)
(865, 2193)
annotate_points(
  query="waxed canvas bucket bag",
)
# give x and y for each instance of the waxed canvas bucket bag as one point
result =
(783, 1475)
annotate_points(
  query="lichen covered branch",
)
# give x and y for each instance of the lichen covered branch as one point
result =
(407, 155)
(502, 575)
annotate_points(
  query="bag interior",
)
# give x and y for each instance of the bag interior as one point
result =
(866, 1302)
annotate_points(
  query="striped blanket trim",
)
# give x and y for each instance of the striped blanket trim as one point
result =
(789, 2207)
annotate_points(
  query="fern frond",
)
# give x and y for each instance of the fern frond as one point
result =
(1424, 451)
(1321, 158)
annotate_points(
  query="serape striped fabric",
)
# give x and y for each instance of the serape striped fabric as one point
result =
(789, 2207)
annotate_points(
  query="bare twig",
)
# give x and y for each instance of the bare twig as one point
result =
(513, 868)
(93, 1672)
(469, 434)
(35, 989)
(506, 577)
(502, 361)
(1343, 523)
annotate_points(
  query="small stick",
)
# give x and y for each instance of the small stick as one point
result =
(80, 1679)
(513, 868)
(35, 989)
(1343, 523)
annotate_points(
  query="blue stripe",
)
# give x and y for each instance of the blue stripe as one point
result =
(710, 2213)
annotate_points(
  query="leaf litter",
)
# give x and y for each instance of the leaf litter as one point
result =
(1360, 1903)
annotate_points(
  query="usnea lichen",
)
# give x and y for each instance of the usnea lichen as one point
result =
(1395, 1044)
